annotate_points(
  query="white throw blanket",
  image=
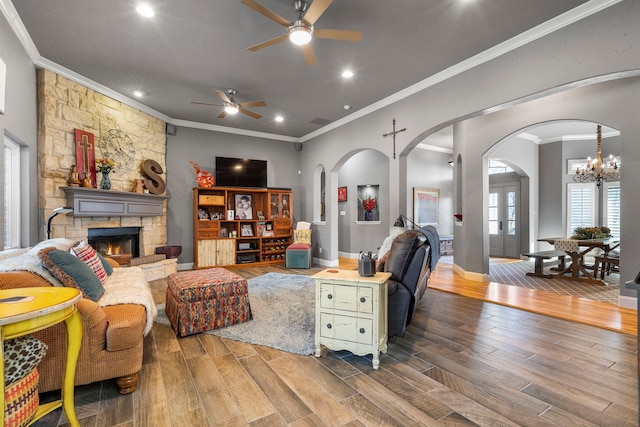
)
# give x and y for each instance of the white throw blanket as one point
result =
(127, 285)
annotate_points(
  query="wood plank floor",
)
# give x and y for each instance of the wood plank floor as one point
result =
(462, 362)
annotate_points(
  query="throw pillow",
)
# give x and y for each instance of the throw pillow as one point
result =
(89, 256)
(72, 272)
(105, 264)
(21, 356)
(302, 236)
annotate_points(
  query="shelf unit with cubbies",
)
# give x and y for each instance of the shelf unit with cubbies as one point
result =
(240, 226)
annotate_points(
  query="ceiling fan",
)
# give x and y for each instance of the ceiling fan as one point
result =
(232, 107)
(301, 30)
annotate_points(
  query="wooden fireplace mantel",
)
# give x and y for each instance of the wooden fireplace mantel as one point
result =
(96, 202)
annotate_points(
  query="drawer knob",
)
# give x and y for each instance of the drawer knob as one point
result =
(328, 325)
(329, 296)
(362, 299)
(362, 330)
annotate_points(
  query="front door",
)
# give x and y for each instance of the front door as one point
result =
(504, 214)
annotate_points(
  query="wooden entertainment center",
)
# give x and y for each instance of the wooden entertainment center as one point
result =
(240, 226)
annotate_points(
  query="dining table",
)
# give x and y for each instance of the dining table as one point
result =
(577, 270)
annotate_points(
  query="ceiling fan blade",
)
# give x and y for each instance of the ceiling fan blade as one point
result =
(316, 9)
(223, 96)
(346, 35)
(309, 56)
(206, 103)
(221, 115)
(266, 12)
(253, 104)
(268, 43)
(250, 113)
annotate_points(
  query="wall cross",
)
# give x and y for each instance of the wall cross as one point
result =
(393, 133)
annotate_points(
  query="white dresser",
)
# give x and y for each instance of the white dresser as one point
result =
(351, 312)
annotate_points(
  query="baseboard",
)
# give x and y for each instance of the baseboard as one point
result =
(348, 255)
(326, 262)
(185, 266)
(470, 275)
(628, 302)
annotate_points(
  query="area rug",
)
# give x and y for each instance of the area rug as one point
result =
(514, 274)
(283, 308)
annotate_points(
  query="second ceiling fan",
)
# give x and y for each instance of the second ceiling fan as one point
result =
(233, 107)
(301, 30)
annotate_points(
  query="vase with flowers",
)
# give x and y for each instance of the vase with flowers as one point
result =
(105, 166)
(368, 204)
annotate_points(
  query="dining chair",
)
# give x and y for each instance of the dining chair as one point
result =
(606, 263)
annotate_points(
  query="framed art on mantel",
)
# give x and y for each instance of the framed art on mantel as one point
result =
(425, 206)
(86, 156)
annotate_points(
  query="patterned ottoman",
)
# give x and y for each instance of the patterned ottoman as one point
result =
(202, 300)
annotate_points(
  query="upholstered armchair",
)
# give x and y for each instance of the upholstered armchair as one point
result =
(410, 263)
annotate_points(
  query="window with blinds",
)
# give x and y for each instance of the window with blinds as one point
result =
(580, 206)
(612, 207)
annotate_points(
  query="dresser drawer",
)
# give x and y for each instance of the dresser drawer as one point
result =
(347, 298)
(346, 328)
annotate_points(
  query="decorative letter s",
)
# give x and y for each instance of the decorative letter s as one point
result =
(155, 184)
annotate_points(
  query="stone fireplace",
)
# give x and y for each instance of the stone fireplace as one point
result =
(64, 106)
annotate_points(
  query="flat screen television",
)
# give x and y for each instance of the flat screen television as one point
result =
(232, 172)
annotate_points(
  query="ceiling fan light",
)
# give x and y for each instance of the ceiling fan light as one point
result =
(300, 34)
(231, 108)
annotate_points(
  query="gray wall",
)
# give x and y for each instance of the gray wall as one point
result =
(522, 155)
(554, 179)
(203, 146)
(431, 169)
(613, 103)
(495, 89)
(552, 193)
(19, 121)
(368, 167)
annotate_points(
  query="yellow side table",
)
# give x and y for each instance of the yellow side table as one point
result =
(27, 310)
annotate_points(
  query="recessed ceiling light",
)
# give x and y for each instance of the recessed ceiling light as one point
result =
(347, 107)
(145, 10)
(279, 119)
(138, 93)
(347, 74)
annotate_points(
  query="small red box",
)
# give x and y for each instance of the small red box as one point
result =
(169, 251)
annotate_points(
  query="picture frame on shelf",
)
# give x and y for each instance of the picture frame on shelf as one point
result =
(203, 213)
(224, 232)
(426, 203)
(261, 229)
(230, 215)
(243, 206)
(246, 230)
(260, 216)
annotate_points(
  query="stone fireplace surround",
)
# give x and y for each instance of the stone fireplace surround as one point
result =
(64, 106)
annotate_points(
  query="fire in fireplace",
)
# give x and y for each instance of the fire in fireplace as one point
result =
(121, 243)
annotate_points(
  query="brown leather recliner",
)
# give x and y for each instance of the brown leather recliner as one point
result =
(112, 340)
(410, 261)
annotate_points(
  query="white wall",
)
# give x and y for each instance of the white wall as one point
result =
(19, 121)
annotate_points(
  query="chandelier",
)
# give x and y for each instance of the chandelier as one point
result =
(596, 170)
